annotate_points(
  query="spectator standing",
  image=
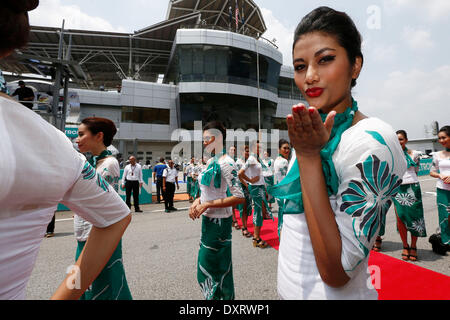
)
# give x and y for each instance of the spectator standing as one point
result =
(147, 165)
(132, 182)
(158, 178)
(170, 178)
(25, 94)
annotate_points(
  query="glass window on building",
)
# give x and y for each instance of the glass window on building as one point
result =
(145, 115)
(234, 111)
(280, 123)
(208, 63)
(287, 89)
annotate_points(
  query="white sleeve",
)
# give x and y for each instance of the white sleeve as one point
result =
(229, 172)
(141, 175)
(125, 173)
(280, 169)
(111, 172)
(370, 175)
(165, 173)
(95, 200)
(435, 163)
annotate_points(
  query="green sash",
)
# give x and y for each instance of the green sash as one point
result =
(94, 159)
(213, 172)
(290, 188)
(410, 162)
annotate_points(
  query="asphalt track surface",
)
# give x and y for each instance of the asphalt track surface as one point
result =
(160, 254)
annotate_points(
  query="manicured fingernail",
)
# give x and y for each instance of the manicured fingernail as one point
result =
(299, 108)
(311, 110)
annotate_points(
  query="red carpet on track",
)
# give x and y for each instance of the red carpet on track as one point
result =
(393, 278)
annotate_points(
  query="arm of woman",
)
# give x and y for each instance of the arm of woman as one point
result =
(243, 177)
(434, 170)
(97, 202)
(323, 230)
(308, 135)
(98, 249)
(237, 195)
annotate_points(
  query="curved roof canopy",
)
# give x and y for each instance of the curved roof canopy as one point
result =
(95, 58)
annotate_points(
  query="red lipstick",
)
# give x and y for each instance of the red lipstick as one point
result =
(314, 92)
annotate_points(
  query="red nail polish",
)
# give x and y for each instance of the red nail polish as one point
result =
(311, 110)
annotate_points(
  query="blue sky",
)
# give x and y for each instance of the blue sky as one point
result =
(406, 75)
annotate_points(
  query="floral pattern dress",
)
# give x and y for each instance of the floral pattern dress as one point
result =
(408, 201)
(214, 265)
(280, 170)
(442, 165)
(111, 283)
(369, 163)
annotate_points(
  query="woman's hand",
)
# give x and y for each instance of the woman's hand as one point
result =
(445, 179)
(197, 209)
(307, 133)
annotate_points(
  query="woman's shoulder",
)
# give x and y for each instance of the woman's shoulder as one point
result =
(227, 161)
(280, 161)
(370, 132)
(371, 138)
(110, 163)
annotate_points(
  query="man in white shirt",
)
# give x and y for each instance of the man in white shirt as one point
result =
(132, 182)
(170, 178)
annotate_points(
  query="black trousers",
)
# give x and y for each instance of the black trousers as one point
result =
(168, 195)
(51, 225)
(159, 190)
(132, 187)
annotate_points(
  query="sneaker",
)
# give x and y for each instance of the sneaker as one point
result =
(173, 209)
(138, 210)
(49, 234)
(167, 211)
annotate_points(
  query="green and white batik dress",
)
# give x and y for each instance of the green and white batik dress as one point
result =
(267, 170)
(247, 205)
(215, 267)
(408, 201)
(280, 170)
(253, 168)
(362, 166)
(189, 179)
(111, 283)
(442, 165)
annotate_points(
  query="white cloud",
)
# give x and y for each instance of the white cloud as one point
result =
(417, 38)
(431, 9)
(50, 13)
(384, 52)
(282, 33)
(410, 100)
